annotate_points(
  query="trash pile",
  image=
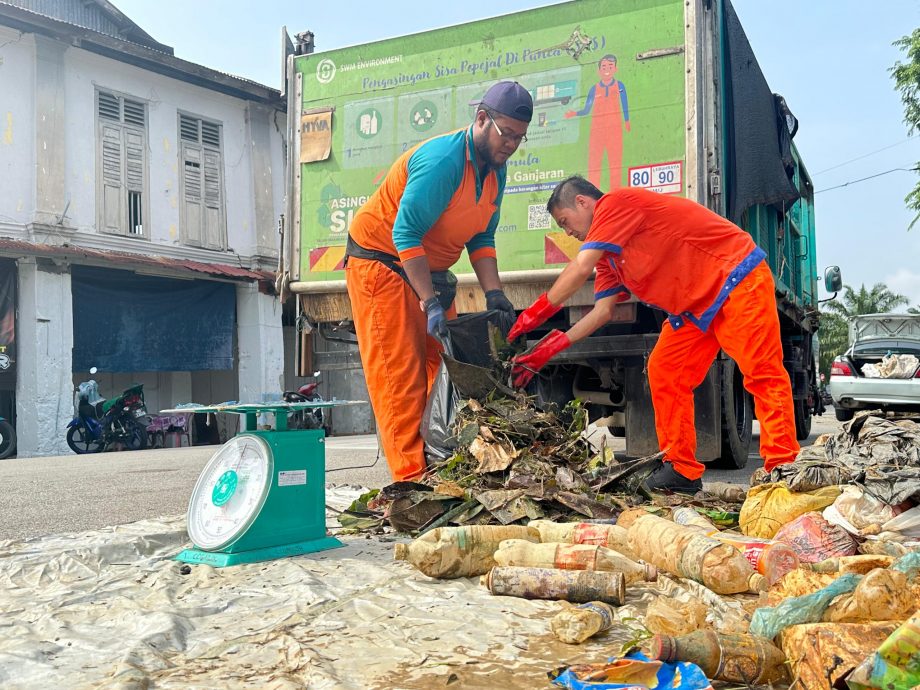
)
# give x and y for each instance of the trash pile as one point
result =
(892, 366)
(821, 564)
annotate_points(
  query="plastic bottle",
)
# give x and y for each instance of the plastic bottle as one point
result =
(601, 534)
(733, 658)
(572, 557)
(772, 559)
(685, 552)
(577, 624)
(852, 564)
(576, 586)
(448, 552)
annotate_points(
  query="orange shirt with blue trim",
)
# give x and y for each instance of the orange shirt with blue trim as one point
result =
(433, 202)
(670, 252)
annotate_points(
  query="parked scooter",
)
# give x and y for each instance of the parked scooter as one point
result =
(307, 419)
(99, 424)
(7, 439)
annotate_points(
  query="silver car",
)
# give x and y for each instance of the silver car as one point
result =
(872, 337)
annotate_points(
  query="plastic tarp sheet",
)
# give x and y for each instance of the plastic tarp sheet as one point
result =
(125, 322)
(111, 609)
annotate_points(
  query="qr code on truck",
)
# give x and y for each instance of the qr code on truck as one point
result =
(538, 217)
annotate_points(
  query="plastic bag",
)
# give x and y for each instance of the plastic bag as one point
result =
(468, 343)
(896, 664)
(859, 512)
(770, 621)
(814, 539)
(633, 672)
(770, 506)
(673, 617)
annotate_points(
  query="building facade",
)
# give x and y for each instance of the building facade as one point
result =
(138, 212)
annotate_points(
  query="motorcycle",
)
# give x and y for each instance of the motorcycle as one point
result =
(99, 424)
(7, 439)
(311, 418)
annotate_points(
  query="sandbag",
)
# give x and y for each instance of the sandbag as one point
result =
(770, 506)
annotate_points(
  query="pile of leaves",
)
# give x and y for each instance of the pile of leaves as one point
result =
(513, 461)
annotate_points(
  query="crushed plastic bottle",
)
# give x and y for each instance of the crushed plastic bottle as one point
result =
(685, 552)
(744, 659)
(448, 552)
(577, 624)
(572, 557)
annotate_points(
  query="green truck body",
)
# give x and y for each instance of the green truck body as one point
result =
(367, 104)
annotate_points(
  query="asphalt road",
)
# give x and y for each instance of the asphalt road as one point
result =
(74, 493)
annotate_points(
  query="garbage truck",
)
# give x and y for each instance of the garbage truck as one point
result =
(693, 116)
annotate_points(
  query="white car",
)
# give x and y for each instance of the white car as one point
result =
(874, 337)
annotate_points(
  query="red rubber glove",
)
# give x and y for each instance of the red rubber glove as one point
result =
(535, 315)
(529, 363)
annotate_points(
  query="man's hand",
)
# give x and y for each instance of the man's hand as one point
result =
(532, 317)
(437, 321)
(496, 300)
(526, 365)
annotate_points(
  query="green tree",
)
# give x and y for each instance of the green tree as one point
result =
(833, 333)
(906, 77)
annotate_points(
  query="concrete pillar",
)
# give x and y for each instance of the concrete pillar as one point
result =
(44, 389)
(261, 344)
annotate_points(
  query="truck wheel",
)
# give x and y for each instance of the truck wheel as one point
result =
(843, 414)
(7, 439)
(802, 419)
(617, 431)
(737, 417)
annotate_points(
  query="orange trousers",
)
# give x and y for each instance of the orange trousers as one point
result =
(747, 329)
(400, 360)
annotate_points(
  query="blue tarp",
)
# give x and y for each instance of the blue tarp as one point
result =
(124, 322)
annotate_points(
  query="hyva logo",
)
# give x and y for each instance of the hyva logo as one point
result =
(325, 71)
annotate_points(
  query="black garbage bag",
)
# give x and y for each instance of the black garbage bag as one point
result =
(467, 342)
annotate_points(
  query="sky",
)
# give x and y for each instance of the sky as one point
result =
(828, 58)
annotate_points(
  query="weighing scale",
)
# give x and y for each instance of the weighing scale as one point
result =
(262, 495)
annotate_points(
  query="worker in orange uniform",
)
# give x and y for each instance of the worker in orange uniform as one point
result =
(711, 279)
(438, 198)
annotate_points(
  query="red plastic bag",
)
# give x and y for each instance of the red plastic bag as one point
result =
(814, 539)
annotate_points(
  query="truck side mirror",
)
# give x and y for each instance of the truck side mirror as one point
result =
(833, 280)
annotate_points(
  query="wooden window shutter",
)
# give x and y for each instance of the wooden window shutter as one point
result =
(112, 199)
(192, 194)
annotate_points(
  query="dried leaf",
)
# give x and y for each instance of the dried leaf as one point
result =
(493, 457)
(585, 506)
(450, 489)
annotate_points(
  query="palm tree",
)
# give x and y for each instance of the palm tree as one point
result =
(833, 333)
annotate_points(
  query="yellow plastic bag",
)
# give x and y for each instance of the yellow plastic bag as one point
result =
(770, 506)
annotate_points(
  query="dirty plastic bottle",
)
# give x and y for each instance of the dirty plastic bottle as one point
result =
(601, 534)
(575, 625)
(744, 659)
(572, 557)
(576, 586)
(448, 552)
(852, 564)
(772, 559)
(685, 552)
(688, 517)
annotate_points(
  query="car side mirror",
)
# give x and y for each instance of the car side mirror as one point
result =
(833, 280)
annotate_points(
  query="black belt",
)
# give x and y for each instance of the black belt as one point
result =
(443, 282)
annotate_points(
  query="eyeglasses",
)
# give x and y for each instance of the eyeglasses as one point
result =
(516, 139)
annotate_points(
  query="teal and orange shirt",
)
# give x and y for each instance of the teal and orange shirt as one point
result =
(670, 252)
(433, 202)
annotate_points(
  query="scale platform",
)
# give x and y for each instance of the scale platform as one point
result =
(262, 494)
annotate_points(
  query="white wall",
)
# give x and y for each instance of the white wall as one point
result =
(17, 128)
(85, 72)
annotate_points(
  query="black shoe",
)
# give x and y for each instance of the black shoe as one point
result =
(666, 478)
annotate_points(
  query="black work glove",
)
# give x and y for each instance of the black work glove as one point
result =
(495, 299)
(437, 321)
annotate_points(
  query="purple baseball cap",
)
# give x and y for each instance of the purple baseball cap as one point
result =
(511, 99)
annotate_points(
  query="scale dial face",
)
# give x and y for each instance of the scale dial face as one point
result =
(230, 492)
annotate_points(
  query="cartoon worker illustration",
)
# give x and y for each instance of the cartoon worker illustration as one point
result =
(609, 110)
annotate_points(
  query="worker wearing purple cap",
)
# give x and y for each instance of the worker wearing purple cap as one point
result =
(437, 198)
